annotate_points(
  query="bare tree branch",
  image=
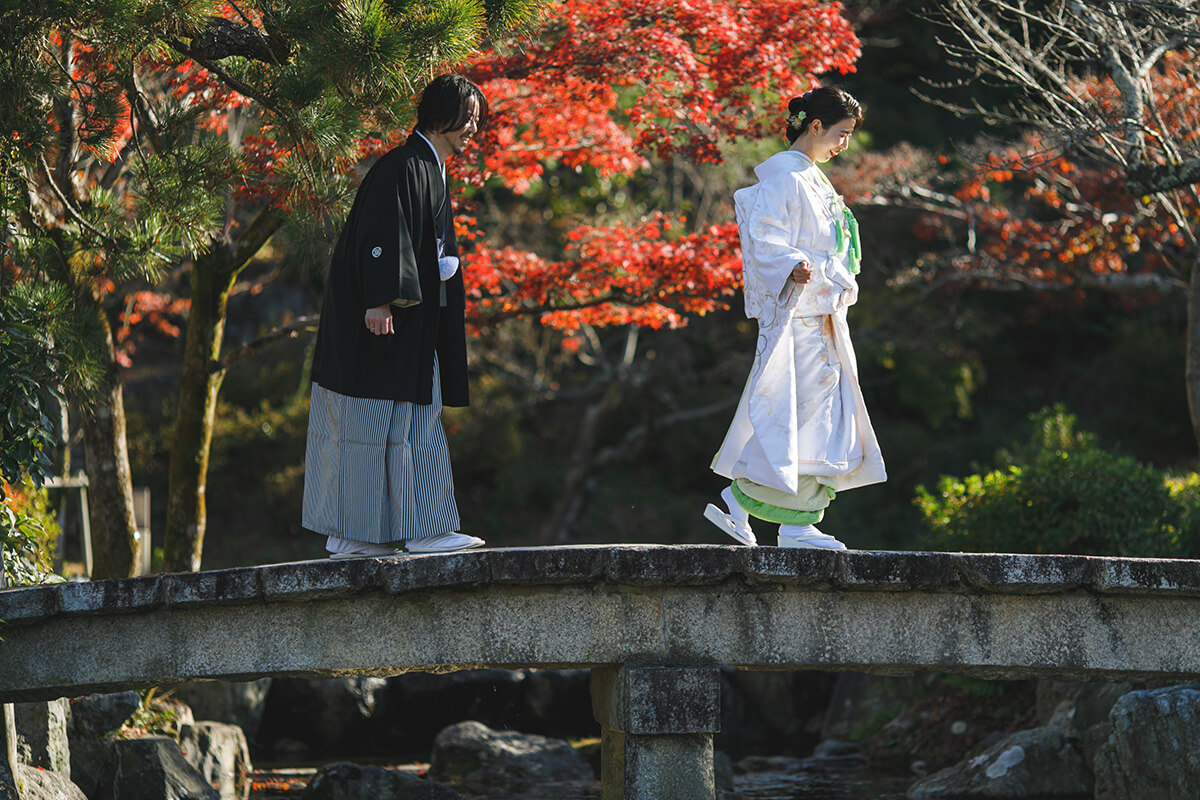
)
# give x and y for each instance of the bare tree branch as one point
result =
(289, 331)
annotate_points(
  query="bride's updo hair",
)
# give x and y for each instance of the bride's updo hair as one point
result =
(827, 104)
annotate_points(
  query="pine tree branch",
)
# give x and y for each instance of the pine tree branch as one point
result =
(223, 38)
(70, 210)
(212, 66)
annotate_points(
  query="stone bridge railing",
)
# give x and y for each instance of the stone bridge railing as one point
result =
(653, 622)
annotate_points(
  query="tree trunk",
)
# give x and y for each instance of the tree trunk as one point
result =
(213, 276)
(1192, 370)
(192, 438)
(115, 545)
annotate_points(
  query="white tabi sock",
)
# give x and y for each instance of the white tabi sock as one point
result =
(735, 510)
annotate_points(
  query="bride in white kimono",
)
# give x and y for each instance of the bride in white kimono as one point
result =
(801, 431)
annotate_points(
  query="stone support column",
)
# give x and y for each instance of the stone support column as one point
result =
(8, 762)
(8, 731)
(658, 725)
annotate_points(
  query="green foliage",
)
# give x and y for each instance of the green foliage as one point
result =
(25, 430)
(1062, 493)
(28, 533)
(38, 340)
(975, 686)
(156, 715)
(940, 385)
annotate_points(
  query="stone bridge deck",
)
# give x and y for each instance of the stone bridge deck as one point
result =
(653, 622)
(757, 608)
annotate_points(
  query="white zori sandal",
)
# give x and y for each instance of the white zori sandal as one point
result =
(807, 536)
(736, 523)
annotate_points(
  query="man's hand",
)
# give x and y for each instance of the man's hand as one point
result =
(801, 273)
(379, 320)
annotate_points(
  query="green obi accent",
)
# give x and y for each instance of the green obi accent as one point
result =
(846, 228)
(770, 513)
(855, 246)
(847, 238)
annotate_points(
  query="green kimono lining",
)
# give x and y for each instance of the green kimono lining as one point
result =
(780, 516)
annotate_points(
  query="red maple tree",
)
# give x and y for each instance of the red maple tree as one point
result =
(620, 87)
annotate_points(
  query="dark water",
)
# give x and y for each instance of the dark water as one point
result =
(833, 786)
(792, 785)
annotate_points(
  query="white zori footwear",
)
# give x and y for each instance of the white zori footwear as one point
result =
(337, 547)
(736, 523)
(443, 543)
(807, 536)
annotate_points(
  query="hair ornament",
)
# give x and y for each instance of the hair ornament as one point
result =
(795, 119)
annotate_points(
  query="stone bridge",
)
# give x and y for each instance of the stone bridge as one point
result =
(654, 623)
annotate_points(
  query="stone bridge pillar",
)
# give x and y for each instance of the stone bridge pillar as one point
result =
(658, 724)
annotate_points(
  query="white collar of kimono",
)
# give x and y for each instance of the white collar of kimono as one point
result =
(441, 166)
(802, 155)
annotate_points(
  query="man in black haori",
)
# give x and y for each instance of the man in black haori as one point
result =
(391, 349)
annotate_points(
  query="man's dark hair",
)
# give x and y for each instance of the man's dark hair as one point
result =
(445, 104)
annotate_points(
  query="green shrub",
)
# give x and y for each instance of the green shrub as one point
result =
(28, 533)
(1063, 493)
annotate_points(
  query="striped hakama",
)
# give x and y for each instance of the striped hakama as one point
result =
(377, 471)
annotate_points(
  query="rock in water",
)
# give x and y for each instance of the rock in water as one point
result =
(40, 784)
(238, 703)
(96, 715)
(1153, 750)
(481, 759)
(347, 781)
(42, 735)
(152, 768)
(1038, 763)
(219, 753)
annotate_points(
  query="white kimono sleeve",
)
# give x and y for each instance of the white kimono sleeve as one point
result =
(782, 228)
(768, 222)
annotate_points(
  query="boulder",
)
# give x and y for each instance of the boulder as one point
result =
(1153, 748)
(1038, 763)
(482, 759)
(42, 735)
(330, 717)
(89, 759)
(1049, 694)
(1082, 707)
(219, 753)
(42, 784)
(1083, 715)
(238, 703)
(832, 755)
(152, 768)
(97, 715)
(416, 706)
(351, 782)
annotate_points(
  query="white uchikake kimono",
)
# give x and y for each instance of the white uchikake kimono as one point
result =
(802, 412)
